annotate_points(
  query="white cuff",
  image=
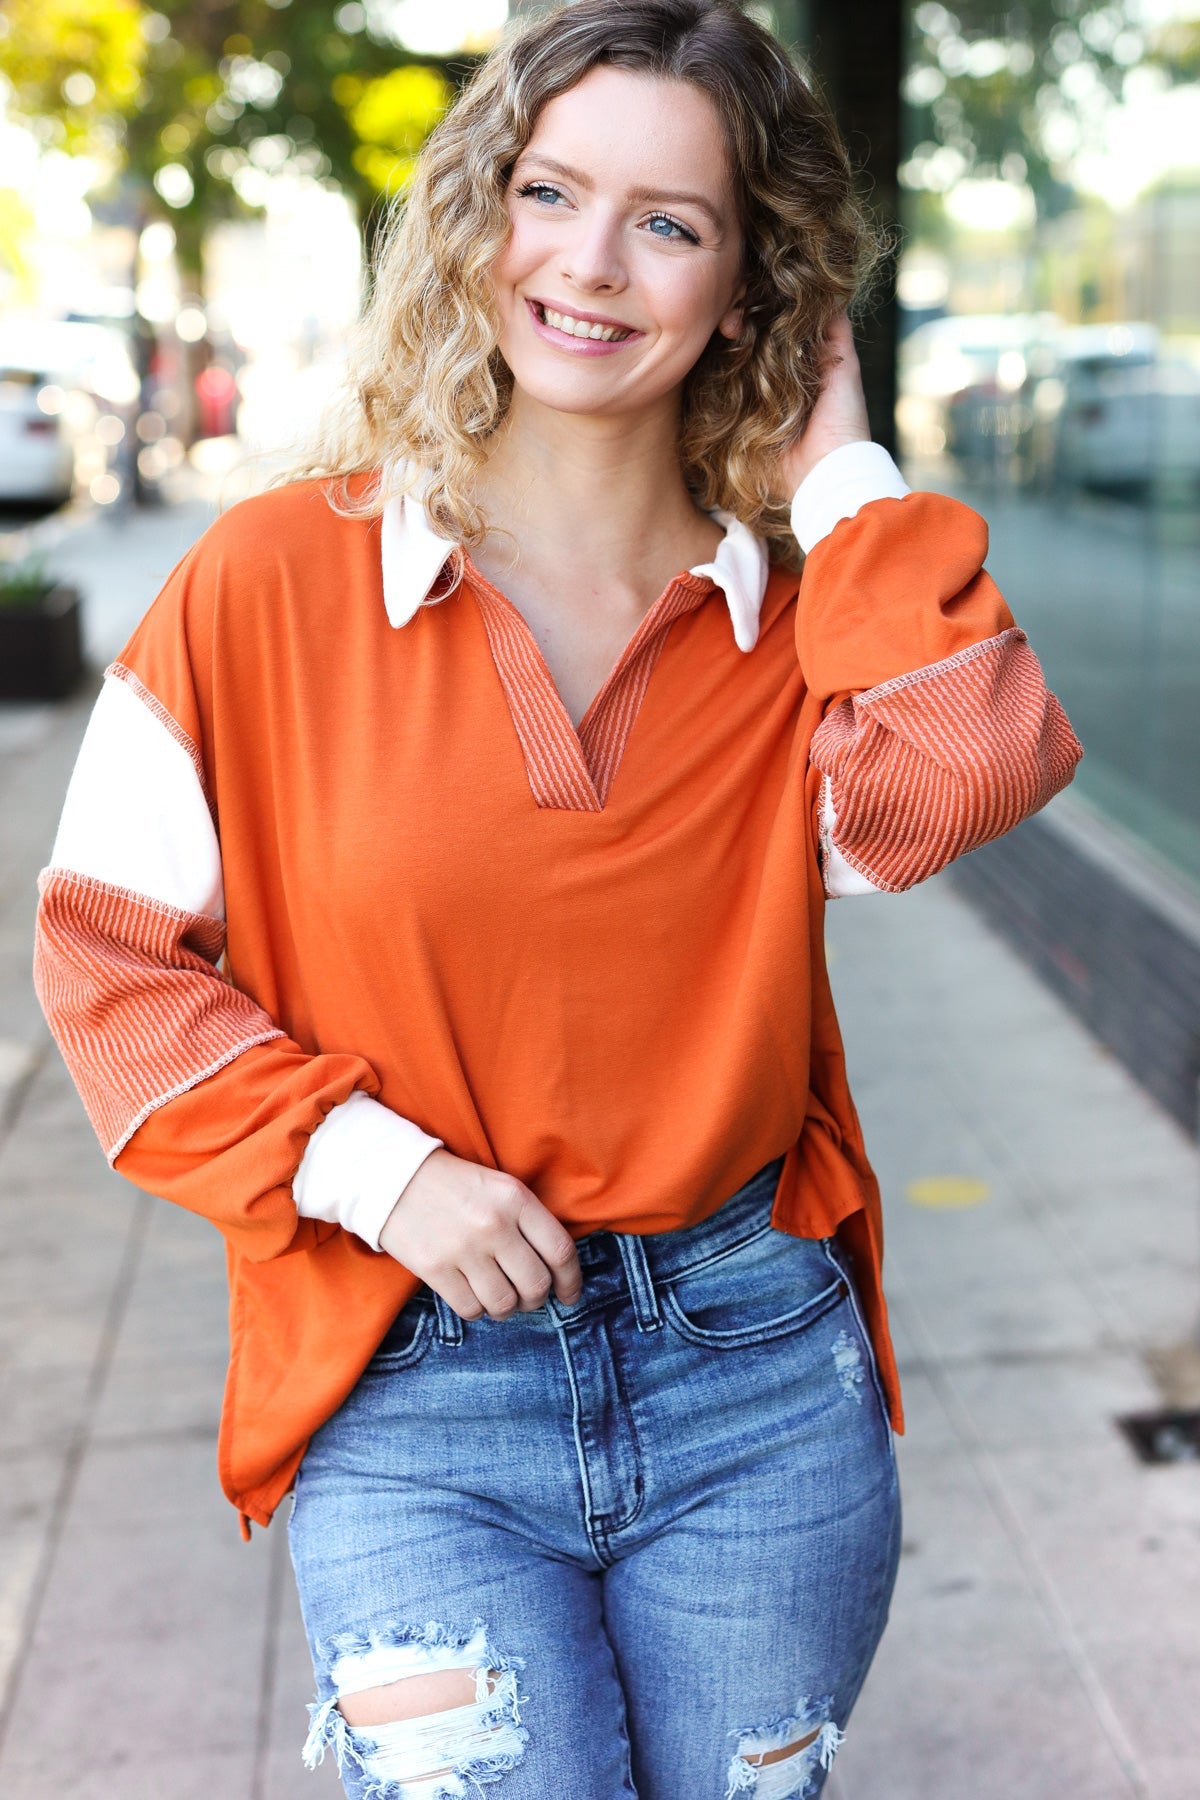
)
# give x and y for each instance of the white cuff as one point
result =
(840, 878)
(835, 488)
(357, 1163)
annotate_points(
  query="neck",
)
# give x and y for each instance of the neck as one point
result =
(608, 491)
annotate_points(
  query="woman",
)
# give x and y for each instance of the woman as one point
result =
(553, 1247)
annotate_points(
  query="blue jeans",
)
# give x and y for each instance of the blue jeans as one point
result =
(659, 1528)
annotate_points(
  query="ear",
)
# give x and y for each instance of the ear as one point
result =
(731, 321)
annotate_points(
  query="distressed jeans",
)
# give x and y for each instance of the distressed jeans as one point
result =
(659, 1528)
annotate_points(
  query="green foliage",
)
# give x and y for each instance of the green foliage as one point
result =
(240, 89)
(201, 101)
(391, 116)
(23, 584)
(74, 66)
(1014, 90)
(18, 229)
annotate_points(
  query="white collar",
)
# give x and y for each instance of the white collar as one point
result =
(414, 555)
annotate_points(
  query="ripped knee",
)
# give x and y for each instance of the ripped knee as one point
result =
(780, 1760)
(410, 1697)
(420, 1712)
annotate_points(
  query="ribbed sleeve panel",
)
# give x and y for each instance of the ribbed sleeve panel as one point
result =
(131, 993)
(931, 764)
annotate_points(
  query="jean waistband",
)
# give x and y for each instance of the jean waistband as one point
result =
(641, 1261)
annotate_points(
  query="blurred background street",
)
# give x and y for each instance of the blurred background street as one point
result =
(188, 201)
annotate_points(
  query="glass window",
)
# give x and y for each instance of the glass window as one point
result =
(1049, 365)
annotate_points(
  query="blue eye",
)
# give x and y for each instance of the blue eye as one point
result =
(661, 225)
(673, 227)
(539, 190)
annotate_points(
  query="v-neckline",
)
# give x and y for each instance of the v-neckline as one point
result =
(568, 769)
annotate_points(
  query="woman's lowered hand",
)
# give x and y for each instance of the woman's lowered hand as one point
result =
(480, 1239)
(840, 414)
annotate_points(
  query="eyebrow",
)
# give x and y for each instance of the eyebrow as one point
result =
(640, 194)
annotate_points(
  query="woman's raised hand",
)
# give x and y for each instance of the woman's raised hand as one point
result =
(840, 415)
(481, 1240)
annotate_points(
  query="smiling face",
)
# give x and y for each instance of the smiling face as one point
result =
(626, 250)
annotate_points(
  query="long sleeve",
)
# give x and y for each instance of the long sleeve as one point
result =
(938, 730)
(194, 1090)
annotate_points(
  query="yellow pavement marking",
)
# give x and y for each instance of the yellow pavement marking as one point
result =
(947, 1191)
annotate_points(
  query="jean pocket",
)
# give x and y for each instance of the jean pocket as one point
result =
(407, 1339)
(768, 1286)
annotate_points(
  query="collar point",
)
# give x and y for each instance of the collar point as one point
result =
(413, 556)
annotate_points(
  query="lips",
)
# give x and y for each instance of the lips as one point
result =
(582, 327)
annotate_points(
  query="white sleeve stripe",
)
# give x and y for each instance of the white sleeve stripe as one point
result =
(356, 1165)
(834, 489)
(120, 672)
(841, 880)
(135, 814)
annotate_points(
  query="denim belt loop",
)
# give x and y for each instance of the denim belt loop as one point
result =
(641, 1282)
(449, 1324)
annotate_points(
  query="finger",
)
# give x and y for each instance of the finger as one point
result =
(556, 1247)
(526, 1270)
(493, 1288)
(458, 1294)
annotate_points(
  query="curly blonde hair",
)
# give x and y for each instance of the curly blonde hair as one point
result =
(428, 386)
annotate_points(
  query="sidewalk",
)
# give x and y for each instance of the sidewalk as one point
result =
(1043, 1237)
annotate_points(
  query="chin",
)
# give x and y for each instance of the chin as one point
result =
(563, 390)
(587, 391)
(571, 404)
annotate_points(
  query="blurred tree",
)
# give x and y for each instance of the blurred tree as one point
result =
(237, 90)
(74, 68)
(201, 103)
(72, 73)
(17, 231)
(1015, 90)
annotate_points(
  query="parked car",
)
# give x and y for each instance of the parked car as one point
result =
(965, 383)
(37, 450)
(68, 396)
(1118, 413)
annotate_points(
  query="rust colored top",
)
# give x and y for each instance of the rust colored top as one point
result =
(593, 960)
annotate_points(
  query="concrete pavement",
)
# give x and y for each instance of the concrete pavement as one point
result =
(1043, 1246)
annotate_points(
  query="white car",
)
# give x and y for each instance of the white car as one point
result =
(1124, 415)
(963, 381)
(37, 447)
(58, 379)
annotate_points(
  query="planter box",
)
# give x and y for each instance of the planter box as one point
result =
(41, 653)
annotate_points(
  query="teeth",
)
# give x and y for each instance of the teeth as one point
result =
(580, 327)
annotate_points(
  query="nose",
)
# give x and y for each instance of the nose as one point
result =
(593, 260)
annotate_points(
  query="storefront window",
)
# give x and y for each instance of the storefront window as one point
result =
(1049, 289)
